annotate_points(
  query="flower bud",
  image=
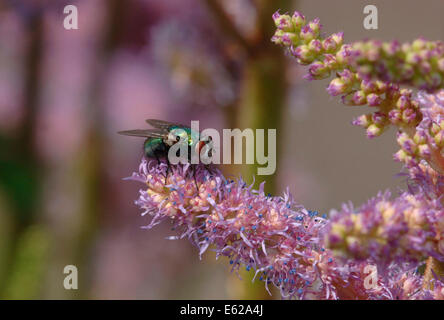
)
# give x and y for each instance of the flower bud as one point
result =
(418, 44)
(362, 121)
(315, 46)
(359, 98)
(315, 26)
(336, 87)
(304, 54)
(298, 20)
(373, 100)
(374, 131)
(318, 70)
(307, 34)
(368, 86)
(283, 22)
(395, 116)
(424, 151)
(402, 156)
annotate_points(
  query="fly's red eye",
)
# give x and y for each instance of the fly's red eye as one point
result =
(199, 146)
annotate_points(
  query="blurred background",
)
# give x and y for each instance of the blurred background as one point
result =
(65, 93)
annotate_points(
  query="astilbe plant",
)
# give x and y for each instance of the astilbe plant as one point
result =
(304, 254)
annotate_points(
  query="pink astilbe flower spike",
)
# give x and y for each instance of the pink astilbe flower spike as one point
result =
(367, 72)
(371, 73)
(427, 141)
(418, 64)
(423, 179)
(406, 229)
(432, 128)
(274, 237)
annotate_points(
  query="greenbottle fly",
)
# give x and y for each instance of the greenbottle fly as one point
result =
(164, 135)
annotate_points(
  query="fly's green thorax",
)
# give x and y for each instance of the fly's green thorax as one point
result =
(191, 136)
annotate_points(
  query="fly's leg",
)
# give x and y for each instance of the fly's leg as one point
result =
(195, 180)
(208, 168)
(158, 160)
(168, 170)
(158, 163)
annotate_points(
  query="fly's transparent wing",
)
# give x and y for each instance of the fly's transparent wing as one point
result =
(163, 125)
(147, 133)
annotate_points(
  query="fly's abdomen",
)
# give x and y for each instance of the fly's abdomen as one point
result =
(155, 148)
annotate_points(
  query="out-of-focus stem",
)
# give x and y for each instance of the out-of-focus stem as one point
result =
(262, 94)
(22, 150)
(226, 23)
(92, 161)
(264, 85)
(261, 105)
